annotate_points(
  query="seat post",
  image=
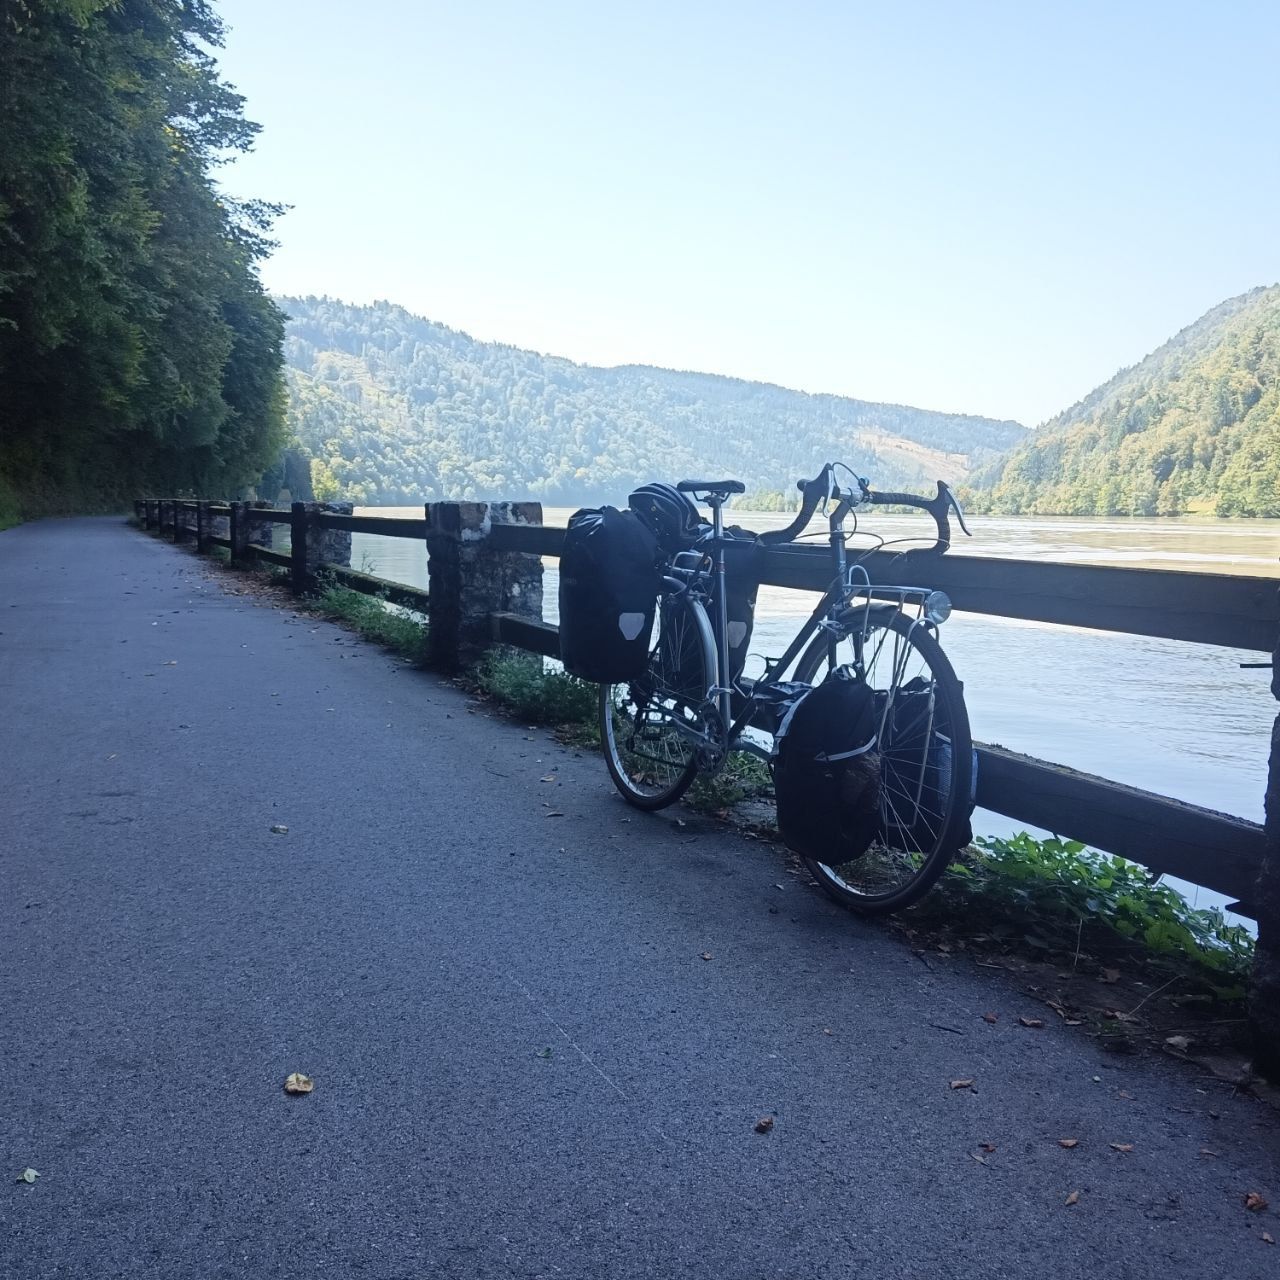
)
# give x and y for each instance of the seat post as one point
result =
(716, 501)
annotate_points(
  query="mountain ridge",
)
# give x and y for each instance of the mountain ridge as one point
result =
(1193, 426)
(468, 418)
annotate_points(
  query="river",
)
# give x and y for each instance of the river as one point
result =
(1180, 719)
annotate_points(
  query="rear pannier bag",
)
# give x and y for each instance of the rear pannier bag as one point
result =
(609, 582)
(826, 770)
(916, 765)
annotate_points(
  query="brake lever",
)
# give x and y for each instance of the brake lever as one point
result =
(954, 504)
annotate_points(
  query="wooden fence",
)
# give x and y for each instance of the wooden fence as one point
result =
(479, 563)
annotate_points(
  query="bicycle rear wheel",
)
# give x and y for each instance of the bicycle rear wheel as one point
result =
(653, 728)
(926, 759)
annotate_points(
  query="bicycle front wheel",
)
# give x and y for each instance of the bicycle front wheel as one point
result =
(926, 759)
(653, 728)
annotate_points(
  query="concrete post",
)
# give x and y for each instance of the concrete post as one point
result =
(239, 533)
(469, 579)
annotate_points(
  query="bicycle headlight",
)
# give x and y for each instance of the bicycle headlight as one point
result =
(937, 607)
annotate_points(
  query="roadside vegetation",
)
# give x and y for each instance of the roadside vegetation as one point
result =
(393, 628)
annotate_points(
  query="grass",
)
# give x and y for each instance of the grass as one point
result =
(520, 682)
(374, 619)
(744, 777)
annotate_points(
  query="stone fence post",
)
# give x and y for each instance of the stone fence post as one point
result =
(469, 579)
(1264, 993)
(261, 532)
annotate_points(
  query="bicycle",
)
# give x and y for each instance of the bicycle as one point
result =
(685, 714)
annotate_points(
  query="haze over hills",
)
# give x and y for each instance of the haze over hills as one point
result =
(1193, 427)
(393, 408)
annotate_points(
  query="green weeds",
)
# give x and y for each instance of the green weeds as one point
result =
(521, 682)
(374, 619)
(1056, 897)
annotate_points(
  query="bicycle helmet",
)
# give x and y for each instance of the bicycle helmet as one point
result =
(668, 514)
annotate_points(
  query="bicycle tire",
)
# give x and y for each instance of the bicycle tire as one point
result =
(648, 726)
(864, 884)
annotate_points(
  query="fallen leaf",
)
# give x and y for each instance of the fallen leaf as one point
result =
(1122, 1146)
(278, 829)
(1266, 1238)
(979, 1159)
(1031, 1022)
(548, 777)
(1254, 1202)
(706, 955)
(543, 1053)
(1073, 1198)
(1109, 975)
(961, 1084)
(28, 1176)
(296, 1082)
(826, 1031)
(1180, 1043)
(991, 1017)
(1124, 1093)
(988, 1147)
(1204, 1151)
(1068, 1142)
(554, 813)
(764, 1124)
(680, 822)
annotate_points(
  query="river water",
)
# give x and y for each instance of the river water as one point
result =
(1179, 719)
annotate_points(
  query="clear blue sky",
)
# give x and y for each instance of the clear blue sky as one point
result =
(972, 206)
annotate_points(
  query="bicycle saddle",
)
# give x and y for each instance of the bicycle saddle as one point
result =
(722, 487)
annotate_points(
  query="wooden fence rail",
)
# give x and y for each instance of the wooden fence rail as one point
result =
(481, 559)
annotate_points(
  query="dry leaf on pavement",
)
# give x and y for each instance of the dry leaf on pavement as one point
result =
(991, 1017)
(764, 1124)
(296, 1082)
(1254, 1202)
(1266, 1238)
(988, 1147)
(1073, 1198)
(278, 829)
(1031, 1022)
(706, 955)
(1122, 1146)
(28, 1176)
(961, 1084)
(1068, 1142)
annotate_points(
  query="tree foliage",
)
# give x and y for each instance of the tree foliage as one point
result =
(1195, 426)
(137, 347)
(393, 408)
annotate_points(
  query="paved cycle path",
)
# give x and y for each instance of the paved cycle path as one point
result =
(524, 1066)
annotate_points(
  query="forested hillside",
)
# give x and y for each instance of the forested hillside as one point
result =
(1195, 426)
(393, 408)
(138, 350)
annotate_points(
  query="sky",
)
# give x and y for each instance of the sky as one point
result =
(975, 206)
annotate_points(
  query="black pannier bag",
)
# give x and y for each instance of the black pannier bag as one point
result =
(609, 582)
(826, 770)
(913, 745)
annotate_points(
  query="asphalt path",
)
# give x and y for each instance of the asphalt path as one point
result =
(542, 1026)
